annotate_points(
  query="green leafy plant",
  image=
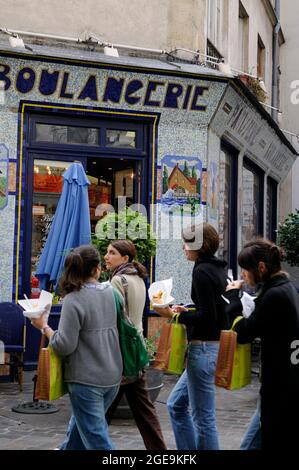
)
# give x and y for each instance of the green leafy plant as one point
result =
(151, 345)
(126, 224)
(288, 238)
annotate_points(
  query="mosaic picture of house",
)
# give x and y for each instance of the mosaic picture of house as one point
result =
(181, 183)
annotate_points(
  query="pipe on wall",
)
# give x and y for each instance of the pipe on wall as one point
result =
(275, 63)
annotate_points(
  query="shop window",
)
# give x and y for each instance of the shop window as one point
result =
(120, 138)
(56, 134)
(110, 179)
(228, 205)
(271, 216)
(252, 204)
(115, 168)
(47, 187)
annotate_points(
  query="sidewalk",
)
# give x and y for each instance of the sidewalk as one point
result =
(41, 432)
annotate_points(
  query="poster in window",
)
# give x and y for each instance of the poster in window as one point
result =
(47, 183)
(124, 183)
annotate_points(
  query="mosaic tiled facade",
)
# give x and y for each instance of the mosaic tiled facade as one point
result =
(185, 105)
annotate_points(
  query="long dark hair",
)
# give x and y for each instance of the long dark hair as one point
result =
(259, 250)
(79, 265)
(202, 238)
(127, 248)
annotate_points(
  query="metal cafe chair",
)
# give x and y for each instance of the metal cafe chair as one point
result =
(13, 335)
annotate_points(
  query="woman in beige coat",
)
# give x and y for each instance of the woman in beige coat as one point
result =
(128, 276)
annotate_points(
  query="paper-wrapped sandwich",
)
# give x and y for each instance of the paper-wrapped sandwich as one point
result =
(159, 297)
(160, 293)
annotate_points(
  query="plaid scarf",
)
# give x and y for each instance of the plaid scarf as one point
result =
(126, 268)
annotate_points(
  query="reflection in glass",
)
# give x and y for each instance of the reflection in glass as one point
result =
(250, 205)
(271, 217)
(66, 134)
(120, 138)
(224, 198)
(47, 187)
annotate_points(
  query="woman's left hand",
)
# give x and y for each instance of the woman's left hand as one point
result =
(165, 312)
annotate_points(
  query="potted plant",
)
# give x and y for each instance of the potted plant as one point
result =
(126, 224)
(254, 86)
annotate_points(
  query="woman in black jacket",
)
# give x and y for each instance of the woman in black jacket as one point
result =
(276, 321)
(191, 404)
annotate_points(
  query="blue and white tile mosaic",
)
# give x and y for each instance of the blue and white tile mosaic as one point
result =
(7, 218)
(181, 131)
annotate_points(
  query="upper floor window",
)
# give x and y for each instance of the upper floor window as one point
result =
(261, 58)
(215, 8)
(243, 38)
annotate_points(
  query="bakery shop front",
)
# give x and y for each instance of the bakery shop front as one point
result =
(157, 133)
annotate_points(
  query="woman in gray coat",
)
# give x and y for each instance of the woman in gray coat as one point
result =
(87, 339)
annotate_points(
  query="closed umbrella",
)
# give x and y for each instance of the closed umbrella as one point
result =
(70, 226)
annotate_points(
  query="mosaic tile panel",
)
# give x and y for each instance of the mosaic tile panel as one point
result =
(7, 218)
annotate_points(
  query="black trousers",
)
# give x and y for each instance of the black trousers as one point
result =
(143, 411)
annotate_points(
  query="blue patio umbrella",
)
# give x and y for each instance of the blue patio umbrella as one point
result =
(70, 226)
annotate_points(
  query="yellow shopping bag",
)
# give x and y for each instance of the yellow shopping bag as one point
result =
(172, 345)
(50, 384)
(233, 368)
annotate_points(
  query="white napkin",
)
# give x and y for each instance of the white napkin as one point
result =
(165, 285)
(34, 308)
(248, 304)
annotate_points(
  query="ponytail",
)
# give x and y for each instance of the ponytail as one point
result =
(275, 258)
(141, 270)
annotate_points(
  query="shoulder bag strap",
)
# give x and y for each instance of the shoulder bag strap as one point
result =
(125, 286)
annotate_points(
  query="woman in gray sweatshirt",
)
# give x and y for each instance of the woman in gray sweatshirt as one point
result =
(87, 339)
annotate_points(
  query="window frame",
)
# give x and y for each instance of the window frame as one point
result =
(272, 186)
(102, 126)
(80, 153)
(257, 171)
(233, 154)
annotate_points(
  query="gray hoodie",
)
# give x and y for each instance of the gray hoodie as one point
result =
(87, 337)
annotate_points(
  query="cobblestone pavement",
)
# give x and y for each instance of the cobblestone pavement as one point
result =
(46, 431)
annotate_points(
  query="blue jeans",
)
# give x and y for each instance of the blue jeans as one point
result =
(191, 404)
(252, 439)
(88, 429)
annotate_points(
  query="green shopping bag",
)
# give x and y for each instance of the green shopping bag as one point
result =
(49, 384)
(233, 369)
(172, 345)
(134, 353)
